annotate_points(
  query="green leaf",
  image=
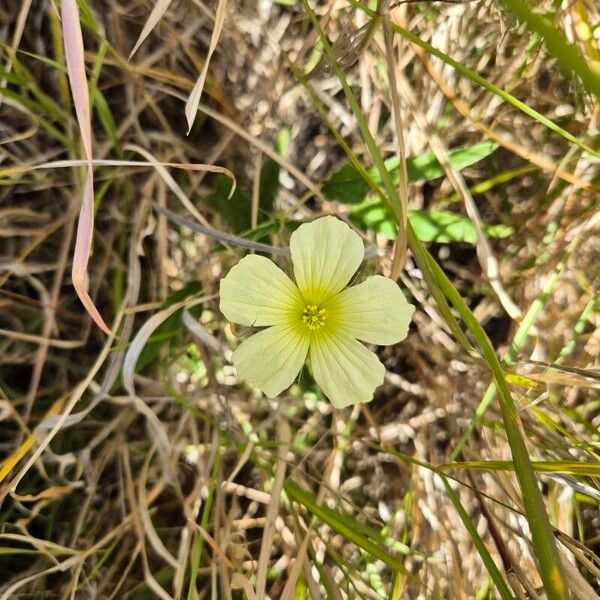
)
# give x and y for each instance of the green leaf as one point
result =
(498, 230)
(372, 214)
(235, 210)
(429, 225)
(444, 227)
(427, 166)
(269, 184)
(346, 185)
(106, 117)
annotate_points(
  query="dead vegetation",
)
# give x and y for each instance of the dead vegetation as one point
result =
(135, 464)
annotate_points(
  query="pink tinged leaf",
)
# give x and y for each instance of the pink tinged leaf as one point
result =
(81, 255)
(73, 42)
(191, 106)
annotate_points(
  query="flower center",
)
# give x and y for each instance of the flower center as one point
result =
(313, 317)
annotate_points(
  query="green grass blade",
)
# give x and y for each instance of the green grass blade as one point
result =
(342, 524)
(535, 510)
(486, 557)
(35, 111)
(199, 542)
(574, 468)
(534, 114)
(517, 343)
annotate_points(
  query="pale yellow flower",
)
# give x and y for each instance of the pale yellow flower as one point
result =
(315, 317)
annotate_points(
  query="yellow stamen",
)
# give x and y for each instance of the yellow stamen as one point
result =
(313, 317)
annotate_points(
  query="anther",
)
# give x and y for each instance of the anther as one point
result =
(313, 317)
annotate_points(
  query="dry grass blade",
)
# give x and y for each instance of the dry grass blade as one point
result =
(151, 162)
(284, 436)
(402, 239)
(18, 33)
(191, 106)
(158, 10)
(240, 582)
(70, 404)
(262, 146)
(172, 184)
(12, 460)
(142, 337)
(146, 519)
(73, 42)
(50, 317)
(149, 578)
(41, 340)
(220, 236)
(210, 341)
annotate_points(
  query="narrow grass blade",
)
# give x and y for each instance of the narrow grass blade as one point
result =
(191, 106)
(342, 524)
(541, 530)
(575, 468)
(11, 461)
(486, 557)
(206, 511)
(156, 14)
(73, 43)
(535, 510)
(517, 343)
(143, 335)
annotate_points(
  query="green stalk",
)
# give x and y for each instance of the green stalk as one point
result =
(440, 286)
(486, 557)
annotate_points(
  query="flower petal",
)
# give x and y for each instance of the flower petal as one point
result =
(326, 253)
(374, 311)
(344, 369)
(257, 292)
(272, 358)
